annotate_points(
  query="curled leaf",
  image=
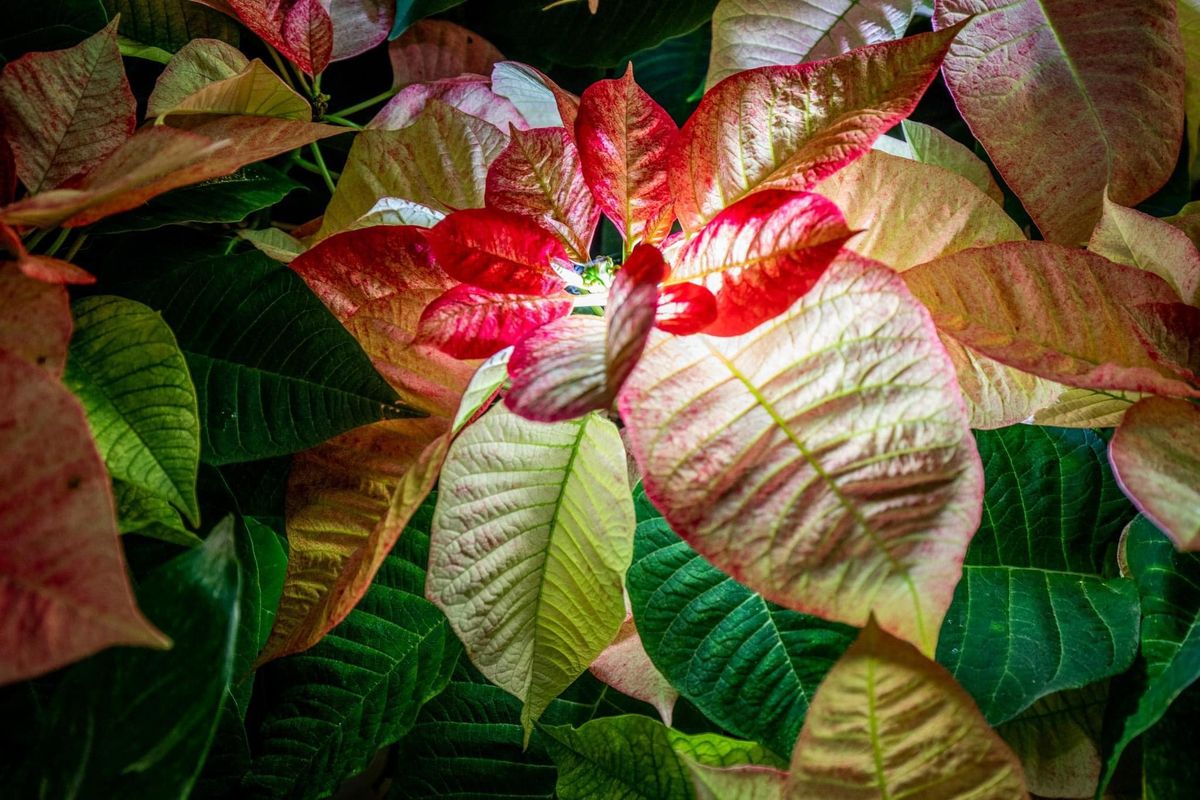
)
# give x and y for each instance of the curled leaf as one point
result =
(1130, 237)
(471, 94)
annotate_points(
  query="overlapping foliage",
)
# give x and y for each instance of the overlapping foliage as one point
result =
(742, 399)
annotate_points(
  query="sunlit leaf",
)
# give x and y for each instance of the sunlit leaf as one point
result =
(1086, 408)
(637, 757)
(208, 76)
(761, 254)
(1156, 456)
(531, 538)
(879, 726)
(759, 33)
(1040, 608)
(822, 459)
(66, 111)
(440, 161)
(928, 145)
(398, 211)
(499, 251)
(1139, 240)
(147, 514)
(1058, 312)
(789, 127)
(1169, 660)
(127, 370)
(1098, 90)
(470, 94)
(469, 322)
(748, 664)
(539, 176)
(484, 387)
(541, 101)
(625, 143)
(435, 49)
(64, 582)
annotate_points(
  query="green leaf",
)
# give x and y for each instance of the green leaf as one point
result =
(326, 711)
(147, 514)
(275, 372)
(628, 757)
(468, 740)
(1170, 769)
(1038, 609)
(410, 11)
(570, 35)
(48, 25)
(228, 199)
(170, 24)
(265, 579)
(1169, 662)
(532, 535)
(138, 723)
(126, 368)
(749, 665)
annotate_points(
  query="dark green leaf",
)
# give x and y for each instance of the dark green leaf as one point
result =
(750, 665)
(1169, 662)
(48, 25)
(138, 723)
(572, 36)
(1036, 610)
(275, 372)
(170, 24)
(409, 11)
(1170, 768)
(673, 73)
(630, 757)
(329, 709)
(126, 368)
(228, 199)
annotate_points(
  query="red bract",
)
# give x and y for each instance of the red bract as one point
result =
(299, 29)
(470, 322)
(625, 140)
(497, 250)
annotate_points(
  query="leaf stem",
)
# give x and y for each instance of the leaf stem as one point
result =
(280, 67)
(342, 121)
(58, 242)
(302, 81)
(36, 237)
(78, 243)
(324, 170)
(370, 101)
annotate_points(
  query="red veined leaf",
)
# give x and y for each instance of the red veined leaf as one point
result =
(498, 250)
(1171, 334)
(789, 127)
(539, 176)
(625, 141)
(889, 722)
(540, 100)
(1048, 309)
(1098, 90)
(761, 254)
(359, 25)
(469, 322)
(433, 49)
(1130, 237)
(578, 364)
(8, 172)
(64, 112)
(63, 587)
(685, 308)
(301, 30)
(349, 498)
(160, 158)
(35, 319)
(625, 666)
(41, 268)
(1155, 456)
(471, 94)
(439, 161)
(823, 459)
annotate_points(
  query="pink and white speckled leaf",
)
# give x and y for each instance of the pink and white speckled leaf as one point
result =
(823, 459)
(469, 322)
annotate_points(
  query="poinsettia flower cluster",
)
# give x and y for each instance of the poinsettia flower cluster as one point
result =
(520, 257)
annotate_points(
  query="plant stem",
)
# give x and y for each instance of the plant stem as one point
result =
(75, 247)
(302, 81)
(280, 67)
(370, 101)
(57, 243)
(36, 237)
(324, 170)
(342, 121)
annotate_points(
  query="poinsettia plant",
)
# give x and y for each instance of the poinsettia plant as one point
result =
(772, 400)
